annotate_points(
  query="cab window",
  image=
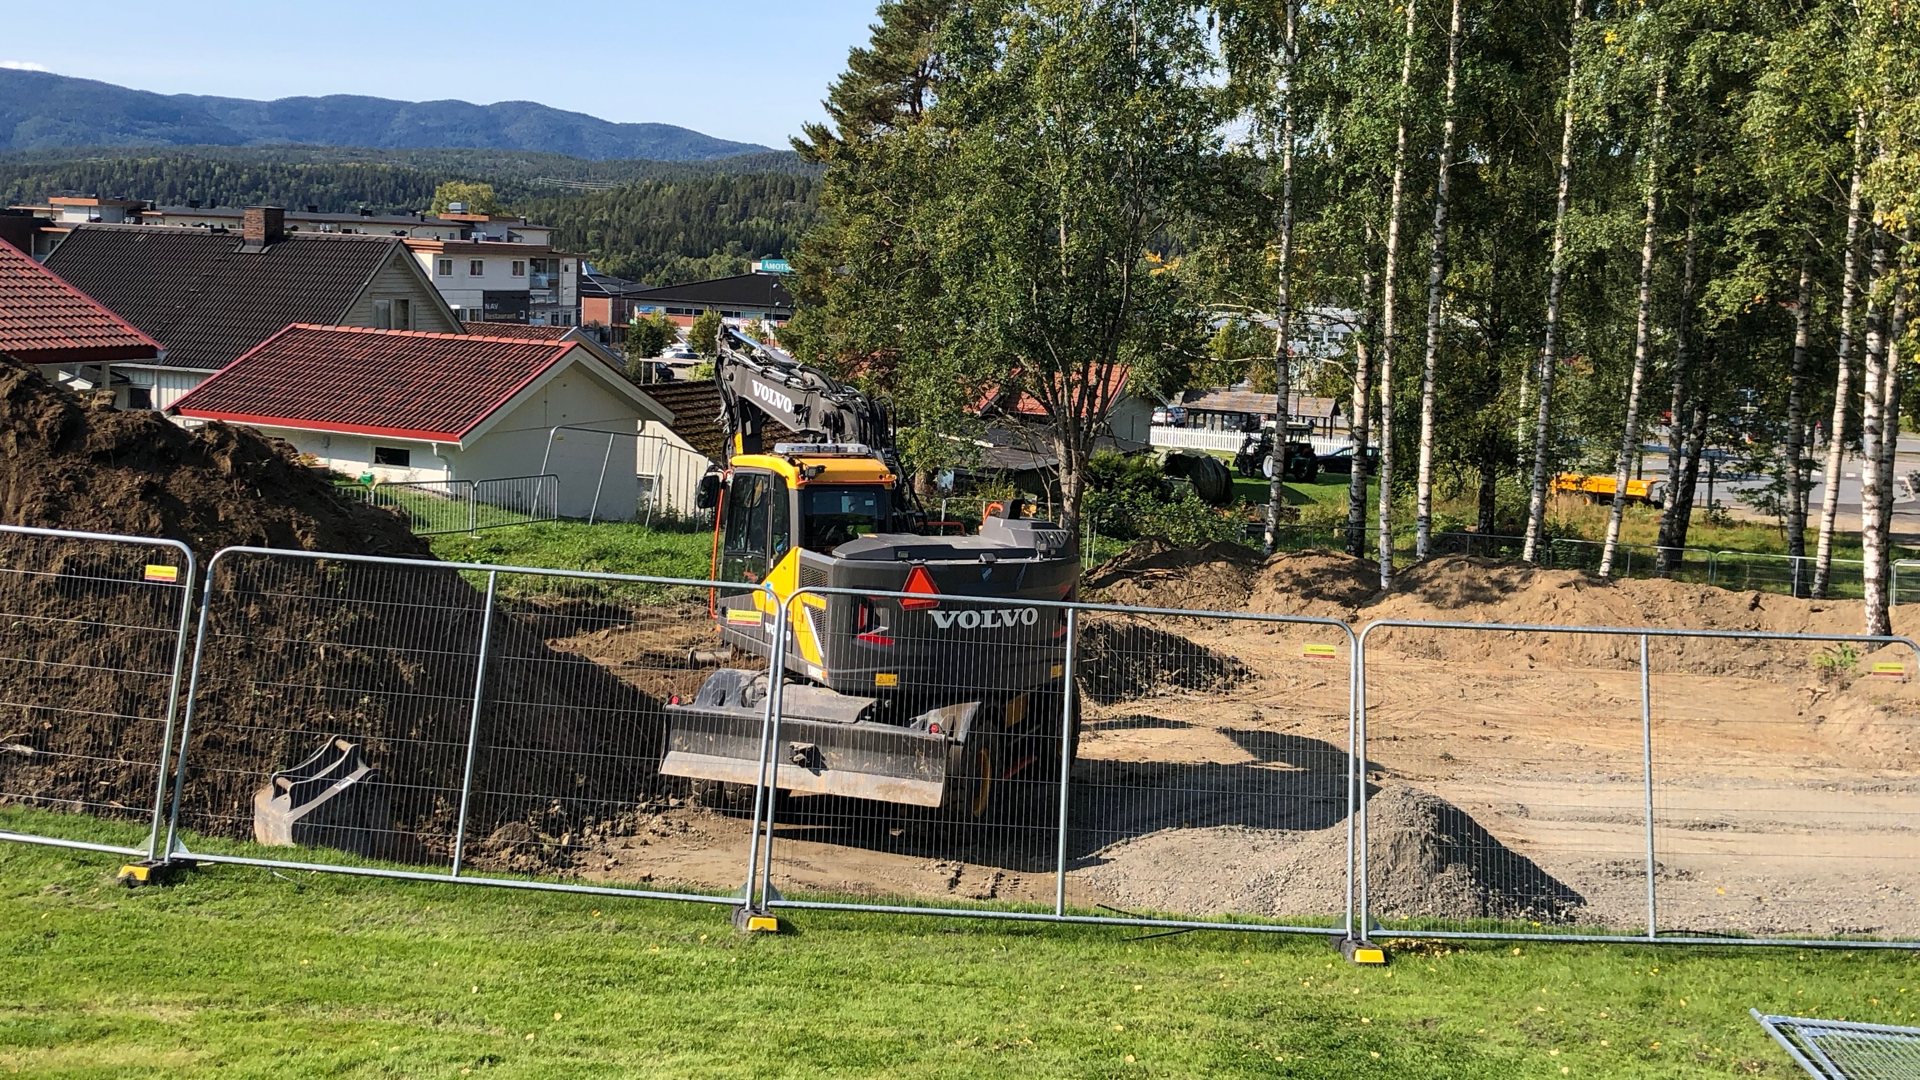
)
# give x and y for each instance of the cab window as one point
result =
(780, 517)
(835, 515)
(747, 515)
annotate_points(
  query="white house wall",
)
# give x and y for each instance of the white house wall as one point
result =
(516, 444)
(671, 468)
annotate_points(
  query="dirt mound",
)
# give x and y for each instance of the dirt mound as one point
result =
(1212, 577)
(64, 465)
(1465, 588)
(1322, 584)
(1429, 859)
(1122, 658)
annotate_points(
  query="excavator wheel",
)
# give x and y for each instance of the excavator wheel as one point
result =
(1007, 777)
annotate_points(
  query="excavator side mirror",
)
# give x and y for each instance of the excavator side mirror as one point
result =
(708, 495)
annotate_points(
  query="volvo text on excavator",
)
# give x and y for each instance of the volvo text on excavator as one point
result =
(921, 700)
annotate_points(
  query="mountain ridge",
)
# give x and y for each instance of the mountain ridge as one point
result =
(44, 110)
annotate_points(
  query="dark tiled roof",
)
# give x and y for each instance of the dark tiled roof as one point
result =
(695, 404)
(44, 320)
(207, 301)
(755, 291)
(401, 383)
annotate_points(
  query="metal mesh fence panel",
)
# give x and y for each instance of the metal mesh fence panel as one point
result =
(1786, 788)
(92, 644)
(1673, 784)
(515, 500)
(1202, 759)
(1505, 788)
(428, 719)
(430, 506)
(1837, 1050)
(583, 677)
(1784, 573)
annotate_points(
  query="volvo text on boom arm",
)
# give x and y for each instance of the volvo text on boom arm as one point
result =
(923, 700)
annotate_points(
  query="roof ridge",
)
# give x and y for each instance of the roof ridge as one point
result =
(498, 339)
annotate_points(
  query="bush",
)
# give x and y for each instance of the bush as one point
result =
(1129, 498)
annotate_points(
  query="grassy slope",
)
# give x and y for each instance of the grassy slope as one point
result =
(306, 974)
(572, 545)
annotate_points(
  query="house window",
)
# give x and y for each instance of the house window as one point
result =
(519, 268)
(398, 457)
(445, 268)
(139, 397)
(476, 267)
(403, 314)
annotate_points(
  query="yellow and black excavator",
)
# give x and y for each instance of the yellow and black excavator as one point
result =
(920, 699)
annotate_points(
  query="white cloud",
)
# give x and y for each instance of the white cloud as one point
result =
(23, 65)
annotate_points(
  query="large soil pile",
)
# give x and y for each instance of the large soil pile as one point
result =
(297, 650)
(1155, 573)
(65, 466)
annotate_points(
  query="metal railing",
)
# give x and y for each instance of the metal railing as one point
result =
(93, 639)
(451, 506)
(1838, 1050)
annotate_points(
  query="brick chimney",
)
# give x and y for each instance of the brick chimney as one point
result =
(261, 226)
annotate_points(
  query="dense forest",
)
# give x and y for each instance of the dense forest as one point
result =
(668, 230)
(648, 220)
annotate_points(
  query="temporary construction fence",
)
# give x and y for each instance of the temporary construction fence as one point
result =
(1839, 1050)
(454, 506)
(1087, 789)
(93, 637)
(1137, 766)
(1623, 783)
(638, 476)
(417, 719)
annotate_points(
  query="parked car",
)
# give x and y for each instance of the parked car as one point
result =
(1341, 461)
(681, 352)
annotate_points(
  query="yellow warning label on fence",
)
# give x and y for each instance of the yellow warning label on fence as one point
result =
(1891, 670)
(886, 678)
(1319, 652)
(739, 615)
(164, 574)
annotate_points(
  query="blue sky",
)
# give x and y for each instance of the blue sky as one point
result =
(752, 70)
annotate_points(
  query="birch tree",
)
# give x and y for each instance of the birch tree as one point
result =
(1436, 280)
(1643, 329)
(1843, 377)
(1556, 282)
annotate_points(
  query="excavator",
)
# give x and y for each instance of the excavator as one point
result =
(926, 698)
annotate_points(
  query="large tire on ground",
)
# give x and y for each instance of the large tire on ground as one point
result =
(1211, 480)
(1303, 468)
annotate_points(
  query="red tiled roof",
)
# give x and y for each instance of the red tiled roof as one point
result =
(44, 320)
(523, 331)
(399, 383)
(1028, 405)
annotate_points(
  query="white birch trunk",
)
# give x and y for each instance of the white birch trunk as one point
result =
(1642, 335)
(1282, 345)
(1556, 281)
(1436, 279)
(1390, 268)
(1843, 379)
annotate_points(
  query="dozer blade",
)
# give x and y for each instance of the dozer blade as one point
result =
(332, 799)
(861, 760)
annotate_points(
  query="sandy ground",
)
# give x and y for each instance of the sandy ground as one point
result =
(1505, 781)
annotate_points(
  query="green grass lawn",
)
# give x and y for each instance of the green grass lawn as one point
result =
(301, 974)
(608, 547)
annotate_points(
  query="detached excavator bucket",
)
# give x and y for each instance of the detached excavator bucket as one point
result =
(332, 799)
